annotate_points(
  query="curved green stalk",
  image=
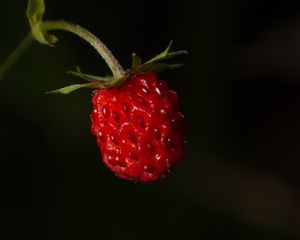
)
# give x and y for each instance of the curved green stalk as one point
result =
(96, 43)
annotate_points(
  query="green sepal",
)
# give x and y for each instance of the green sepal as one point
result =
(136, 61)
(35, 13)
(160, 67)
(71, 88)
(155, 64)
(89, 77)
(166, 54)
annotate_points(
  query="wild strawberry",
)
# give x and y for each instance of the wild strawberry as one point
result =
(136, 119)
(138, 127)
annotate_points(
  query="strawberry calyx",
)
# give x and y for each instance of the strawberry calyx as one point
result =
(156, 64)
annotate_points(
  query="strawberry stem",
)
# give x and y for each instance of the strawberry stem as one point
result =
(96, 43)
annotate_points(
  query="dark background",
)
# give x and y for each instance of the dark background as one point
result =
(240, 96)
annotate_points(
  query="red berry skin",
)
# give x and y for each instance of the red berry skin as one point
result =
(138, 127)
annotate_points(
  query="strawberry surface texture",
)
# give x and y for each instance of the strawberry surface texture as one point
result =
(138, 127)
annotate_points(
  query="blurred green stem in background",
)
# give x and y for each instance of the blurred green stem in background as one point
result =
(35, 12)
(15, 55)
(96, 43)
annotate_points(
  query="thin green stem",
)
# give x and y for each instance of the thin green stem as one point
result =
(15, 55)
(99, 46)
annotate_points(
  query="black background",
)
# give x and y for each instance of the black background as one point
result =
(240, 96)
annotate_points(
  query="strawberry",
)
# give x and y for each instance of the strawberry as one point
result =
(136, 119)
(138, 127)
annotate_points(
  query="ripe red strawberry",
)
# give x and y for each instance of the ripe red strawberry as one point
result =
(136, 117)
(138, 127)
